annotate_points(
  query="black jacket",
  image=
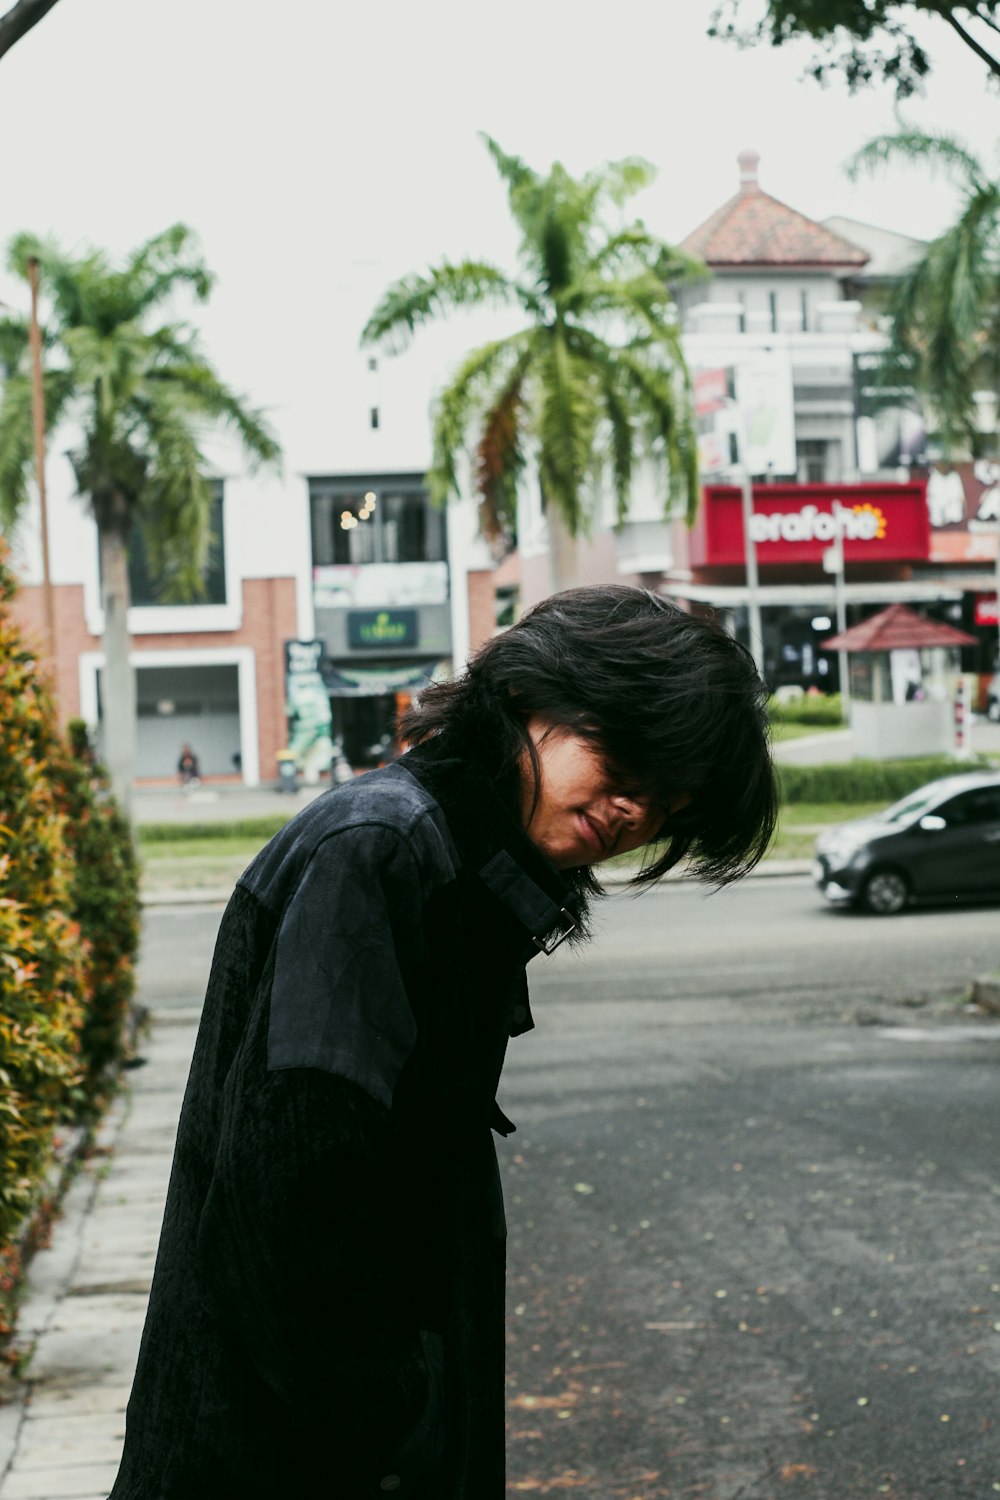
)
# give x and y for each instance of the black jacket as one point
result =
(326, 1316)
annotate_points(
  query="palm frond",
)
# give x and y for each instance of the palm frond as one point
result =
(206, 396)
(13, 345)
(567, 422)
(455, 407)
(621, 437)
(417, 299)
(938, 151)
(659, 392)
(941, 308)
(176, 499)
(617, 181)
(16, 448)
(500, 452)
(635, 249)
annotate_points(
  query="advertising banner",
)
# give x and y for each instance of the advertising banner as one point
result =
(794, 523)
(765, 399)
(963, 501)
(745, 415)
(350, 585)
(307, 704)
(715, 420)
(891, 428)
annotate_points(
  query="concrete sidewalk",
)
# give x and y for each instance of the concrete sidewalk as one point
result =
(61, 1429)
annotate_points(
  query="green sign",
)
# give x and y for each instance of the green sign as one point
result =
(381, 629)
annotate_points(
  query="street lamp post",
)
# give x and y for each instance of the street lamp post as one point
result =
(833, 562)
(753, 584)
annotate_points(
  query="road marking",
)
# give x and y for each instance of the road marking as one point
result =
(942, 1034)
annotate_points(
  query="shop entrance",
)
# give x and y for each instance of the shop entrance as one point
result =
(367, 729)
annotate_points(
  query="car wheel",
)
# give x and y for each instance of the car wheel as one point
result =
(885, 893)
(993, 710)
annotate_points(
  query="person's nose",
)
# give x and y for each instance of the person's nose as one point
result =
(630, 810)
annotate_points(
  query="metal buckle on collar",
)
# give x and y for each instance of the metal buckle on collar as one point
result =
(550, 942)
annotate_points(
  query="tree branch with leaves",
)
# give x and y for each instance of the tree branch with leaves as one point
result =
(865, 40)
(19, 20)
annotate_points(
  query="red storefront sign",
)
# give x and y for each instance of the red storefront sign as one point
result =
(794, 523)
(987, 611)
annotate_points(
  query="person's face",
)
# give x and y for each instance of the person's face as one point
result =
(580, 816)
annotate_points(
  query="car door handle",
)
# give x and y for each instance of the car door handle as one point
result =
(992, 838)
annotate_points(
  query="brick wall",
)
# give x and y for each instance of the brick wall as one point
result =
(482, 608)
(269, 619)
(72, 638)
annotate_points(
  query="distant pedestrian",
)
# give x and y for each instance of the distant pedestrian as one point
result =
(326, 1316)
(187, 767)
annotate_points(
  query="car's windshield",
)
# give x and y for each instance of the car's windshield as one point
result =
(908, 807)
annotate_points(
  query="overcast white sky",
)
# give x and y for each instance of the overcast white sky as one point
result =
(321, 150)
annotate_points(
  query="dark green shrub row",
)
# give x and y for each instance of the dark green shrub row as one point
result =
(104, 897)
(42, 991)
(237, 828)
(864, 780)
(68, 938)
(816, 709)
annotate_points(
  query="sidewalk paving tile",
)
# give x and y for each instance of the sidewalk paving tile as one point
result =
(59, 1442)
(71, 1482)
(97, 1400)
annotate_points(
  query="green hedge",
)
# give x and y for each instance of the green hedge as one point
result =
(42, 961)
(809, 709)
(865, 780)
(68, 938)
(104, 894)
(236, 828)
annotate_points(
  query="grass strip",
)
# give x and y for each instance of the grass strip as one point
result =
(261, 829)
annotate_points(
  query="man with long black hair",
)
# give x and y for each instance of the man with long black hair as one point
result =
(326, 1317)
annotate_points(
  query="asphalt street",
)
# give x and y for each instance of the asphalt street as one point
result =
(753, 1200)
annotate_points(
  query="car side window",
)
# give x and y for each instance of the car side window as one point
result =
(979, 806)
(991, 805)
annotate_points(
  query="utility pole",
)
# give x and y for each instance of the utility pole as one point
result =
(750, 552)
(833, 562)
(38, 413)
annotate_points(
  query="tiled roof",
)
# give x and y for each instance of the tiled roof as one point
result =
(755, 230)
(897, 627)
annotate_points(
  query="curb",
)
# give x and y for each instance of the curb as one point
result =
(219, 895)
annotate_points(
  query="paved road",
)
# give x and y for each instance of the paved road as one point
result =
(768, 946)
(753, 1232)
(753, 1201)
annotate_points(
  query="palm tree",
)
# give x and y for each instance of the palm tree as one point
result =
(945, 328)
(945, 312)
(134, 394)
(595, 380)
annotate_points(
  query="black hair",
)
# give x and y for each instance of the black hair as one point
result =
(675, 705)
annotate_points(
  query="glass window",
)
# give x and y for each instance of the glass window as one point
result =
(146, 589)
(811, 456)
(354, 528)
(372, 521)
(980, 806)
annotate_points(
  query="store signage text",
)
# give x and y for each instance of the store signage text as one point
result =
(303, 657)
(859, 523)
(382, 629)
(796, 523)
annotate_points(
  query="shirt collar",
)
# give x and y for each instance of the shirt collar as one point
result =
(492, 845)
